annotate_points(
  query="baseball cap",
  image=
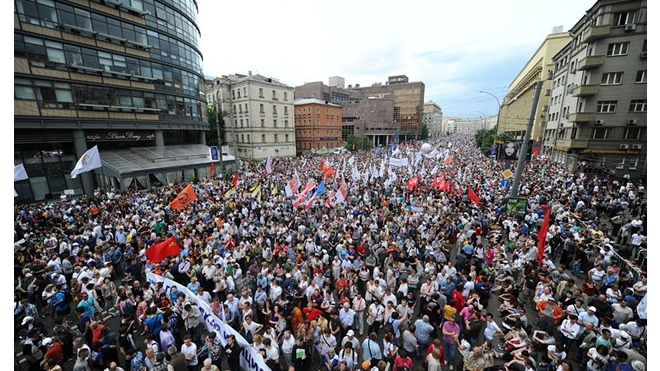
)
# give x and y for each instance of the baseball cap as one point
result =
(350, 333)
(592, 308)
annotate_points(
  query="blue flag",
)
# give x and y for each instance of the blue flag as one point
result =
(321, 189)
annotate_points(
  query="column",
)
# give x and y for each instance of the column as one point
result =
(160, 142)
(87, 178)
(202, 138)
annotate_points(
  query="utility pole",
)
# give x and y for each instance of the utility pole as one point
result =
(522, 157)
(218, 132)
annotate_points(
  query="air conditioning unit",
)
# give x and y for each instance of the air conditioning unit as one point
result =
(599, 122)
(633, 168)
(637, 146)
(623, 146)
(631, 27)
(619, 167)
(632, 122)
(642, 55)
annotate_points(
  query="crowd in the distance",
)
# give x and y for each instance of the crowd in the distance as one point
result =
(393, 278)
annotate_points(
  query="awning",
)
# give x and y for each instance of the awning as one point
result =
(123, 163)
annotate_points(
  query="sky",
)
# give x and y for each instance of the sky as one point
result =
(454, 51)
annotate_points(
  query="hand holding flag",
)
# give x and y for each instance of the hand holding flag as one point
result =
(185, 198)
(161, 250)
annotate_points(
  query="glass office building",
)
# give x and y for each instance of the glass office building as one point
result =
(125, 75)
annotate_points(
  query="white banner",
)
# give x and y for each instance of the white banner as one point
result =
(251, 360)
(398, 161)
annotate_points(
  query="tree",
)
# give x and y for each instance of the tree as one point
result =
(425, 132)
(485, 139)
(357, 142)
(212, 134)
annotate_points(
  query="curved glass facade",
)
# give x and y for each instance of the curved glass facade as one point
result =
(87, 69)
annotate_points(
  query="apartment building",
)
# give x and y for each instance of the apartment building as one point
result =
(517, 104)
(258, 112)
(125, 76)
(432, 118)
(318, 125)
(598, 104)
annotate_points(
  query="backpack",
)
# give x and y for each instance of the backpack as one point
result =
(68, 298)
(389, 326)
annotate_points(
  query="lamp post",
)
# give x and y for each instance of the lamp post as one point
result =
(497, 123)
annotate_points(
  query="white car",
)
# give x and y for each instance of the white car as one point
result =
(339, 150)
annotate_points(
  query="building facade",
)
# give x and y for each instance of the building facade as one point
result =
(121, 75)
(432, 118)
(408, 98)
(258, 113)
(598, 108)
(517, 104)
(318, 125)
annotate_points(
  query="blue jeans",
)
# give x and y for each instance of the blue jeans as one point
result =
(450, 352)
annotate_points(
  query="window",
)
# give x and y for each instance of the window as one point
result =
(261, 92)
(286, 138)
(245, 94)
(606, 106)
(248, 138)
(241, 122)
(637, 105)
(263, 138)
(242, 138)
(23, 90)
(236, 125)
(634, 133)
(618, 49)
(612, 78)
(599, 133)
(286, 110)
(286, 98)
(286, 123)
(247, 123)
(261, 108)
(274, 123)
(274, 109)
(274, 95)
(233, 109)
(245, 110)
(641, 77)
(276, 138)
(53, 94)
(263, 123)
(624, 18)
(239, 93)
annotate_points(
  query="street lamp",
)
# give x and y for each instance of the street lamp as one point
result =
(497, 123)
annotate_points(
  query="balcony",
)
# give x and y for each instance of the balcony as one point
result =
(595, 33)
(593, 61)
(577, 143)
(581, 117)
(585, 90)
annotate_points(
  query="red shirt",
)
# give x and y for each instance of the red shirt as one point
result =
(54, 352)
(311, 314)
(430, 350)
(400, 362)
(458, 298)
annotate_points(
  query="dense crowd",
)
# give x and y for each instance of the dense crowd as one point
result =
(396, 276)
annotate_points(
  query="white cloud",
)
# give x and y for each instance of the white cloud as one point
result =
(441, 43)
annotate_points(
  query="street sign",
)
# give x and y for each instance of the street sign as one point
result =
(493, 152)
(215, 155)
(505, 183)
(507, 173)
(493, 146)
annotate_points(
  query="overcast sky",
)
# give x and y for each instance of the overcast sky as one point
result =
(456, 48)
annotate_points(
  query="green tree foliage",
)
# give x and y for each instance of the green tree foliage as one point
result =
(425, 132)
(485, 138)
(357, 143)
(212, 134)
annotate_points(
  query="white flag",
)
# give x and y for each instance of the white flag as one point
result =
(19, 173)
(351, 160)
(90, 160)
(435, 170)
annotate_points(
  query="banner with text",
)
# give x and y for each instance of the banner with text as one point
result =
(251, 360)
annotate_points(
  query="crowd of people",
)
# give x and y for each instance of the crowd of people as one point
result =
(396, 276)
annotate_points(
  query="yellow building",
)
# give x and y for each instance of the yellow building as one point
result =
(517, 103)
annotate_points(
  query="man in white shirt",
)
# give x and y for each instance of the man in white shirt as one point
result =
(359, 307)
(570, 330)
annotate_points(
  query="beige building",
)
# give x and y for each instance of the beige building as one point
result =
(258, 113)
(432, 118)
(514, 114)
(598, 105)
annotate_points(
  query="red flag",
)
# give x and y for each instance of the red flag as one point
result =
(185, 198)
(234, 181)
(212, 168)
(329, 171)
(447, 186)
(543, 232)
(412, 183)
(324, 166)
(473, 196)
(161, 250)
(441, 183)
